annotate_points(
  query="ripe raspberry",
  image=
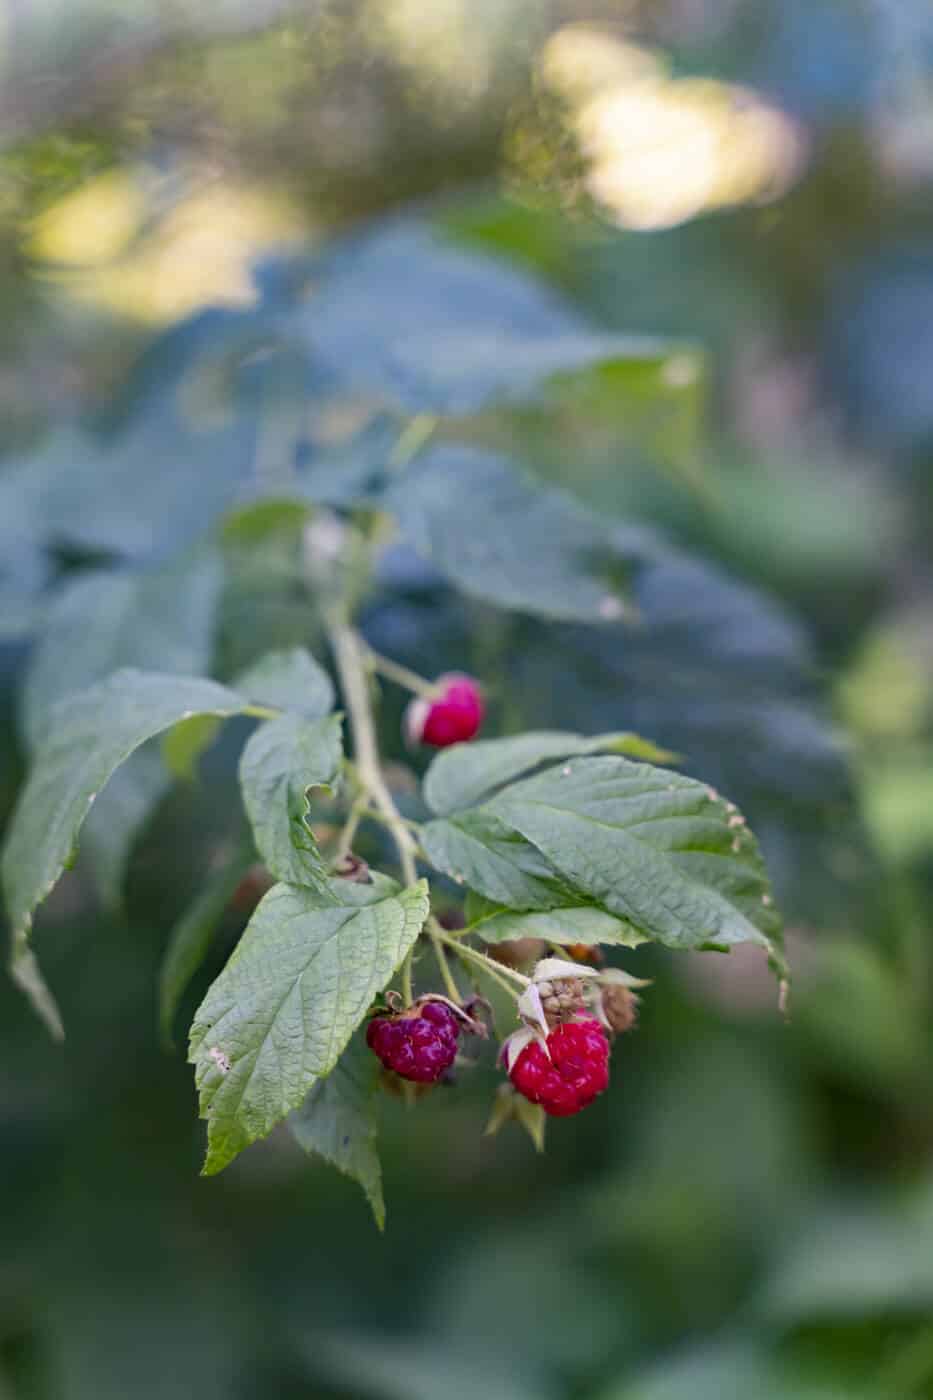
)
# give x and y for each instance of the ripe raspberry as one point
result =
(418, 1044)
(454, 716)
(578, 1068)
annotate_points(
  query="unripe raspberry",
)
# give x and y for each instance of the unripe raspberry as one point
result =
(455, 715)
(586, 953)
(619, 1006)
(418, 1044)
(561, 999)
(517, 952)
(569, 1073)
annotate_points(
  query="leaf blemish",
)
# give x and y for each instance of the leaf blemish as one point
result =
(220, 1059)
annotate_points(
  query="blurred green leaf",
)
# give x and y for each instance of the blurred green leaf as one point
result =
(464, 774)
(289, 680)
(158, 619)
(734, 1372)
(337, 1122)
(191, 937)
(279, 1015)
(283, 759)
(89, 735)
(502, 538)
(439, 329)
(876, 1257)
(183, 746)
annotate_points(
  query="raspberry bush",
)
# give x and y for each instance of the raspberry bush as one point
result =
(395, 916)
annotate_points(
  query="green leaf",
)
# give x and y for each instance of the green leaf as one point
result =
(289, 680)
(279, 1015)
(656, 849)
(337, 1121)
(465, 774)
(191, 937)
(283, 759)
(477, 850)
(183, 746)
(89, 735)
(116, 821)
(157, 619)
(504, 538)
(574, 924)
(160, 619)
(472, 330)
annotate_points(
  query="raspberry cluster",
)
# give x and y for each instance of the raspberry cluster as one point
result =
(567, 1072)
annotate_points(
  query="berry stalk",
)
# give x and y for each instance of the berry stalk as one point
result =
(350, 657)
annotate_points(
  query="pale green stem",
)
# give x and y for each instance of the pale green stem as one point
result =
(411, 439)
(401, 675)
(261, 712)
(443, 966)
(350, 826)
(497, 971)
(350, 657)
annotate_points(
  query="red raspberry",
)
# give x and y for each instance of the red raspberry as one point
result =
(419, 1044)
(578, 1068)
(454, 716)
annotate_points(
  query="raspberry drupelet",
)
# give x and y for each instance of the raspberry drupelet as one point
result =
(570, 1073)
(418, 1044)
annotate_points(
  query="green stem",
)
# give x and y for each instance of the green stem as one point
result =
(349, 829)
(497, 971)
(261, 712)
(408, 994)
(411, 440)
(401, 675)
(349, 654)
(443, 966)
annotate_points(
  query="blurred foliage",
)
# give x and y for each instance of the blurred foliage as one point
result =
(749, 1213)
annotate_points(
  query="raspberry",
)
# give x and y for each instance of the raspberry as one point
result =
(578, 1068)
(419, 1044)
(454, 716)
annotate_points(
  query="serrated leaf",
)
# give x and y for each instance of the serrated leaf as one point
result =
(465, 774)
(282, 760)
(279, 1015)
(504, 538)
(191, 936)
(337, 1122)
(289, 680)
(573, 924)
(89, 736)
(656, 849)
(477, 850)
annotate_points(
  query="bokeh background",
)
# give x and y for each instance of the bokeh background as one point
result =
(750, 1212)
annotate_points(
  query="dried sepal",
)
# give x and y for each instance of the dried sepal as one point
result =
(509, 1107)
